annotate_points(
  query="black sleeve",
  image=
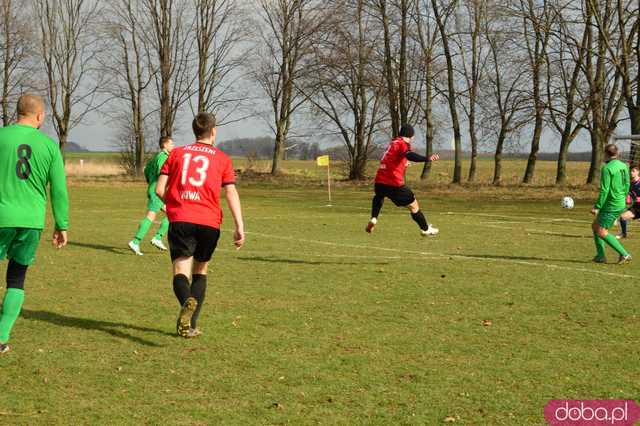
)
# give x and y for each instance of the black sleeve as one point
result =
(415, 157)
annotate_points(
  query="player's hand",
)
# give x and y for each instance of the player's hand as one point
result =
(59, 239)
(434, 157)
(594, 211)
(238, 238)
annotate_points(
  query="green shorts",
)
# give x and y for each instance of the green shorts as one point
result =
(154, 203)
(19, 244)
(607, 218)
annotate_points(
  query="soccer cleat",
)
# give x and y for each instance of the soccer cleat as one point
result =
(371, 225)
(624, 259)
(158, 243)
(193, 332)
(4, 348)
(135, 248)
(430, 231)
(599, 259)
(621, 236)
(184, 318)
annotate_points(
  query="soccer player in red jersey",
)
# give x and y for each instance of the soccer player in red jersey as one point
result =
(389, 181)
(190, 183)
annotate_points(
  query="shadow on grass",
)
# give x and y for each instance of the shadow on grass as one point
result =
(90, 324)
(558, 234)
(305, 262)
(110, 249)
(523, 258)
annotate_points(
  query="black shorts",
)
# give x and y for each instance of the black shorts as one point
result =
(636, 212)
(400, 195)
(189, 239)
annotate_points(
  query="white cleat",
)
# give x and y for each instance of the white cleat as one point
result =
(431, 231)
(371, 225)
(158, 243)
(135, 248)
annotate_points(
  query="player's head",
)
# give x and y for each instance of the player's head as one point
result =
(635, 172)
(166, 143)
(31, 110)
(611, 151)
(406, 131)
(204, 126)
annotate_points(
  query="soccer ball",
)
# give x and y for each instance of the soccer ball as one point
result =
(567, 203)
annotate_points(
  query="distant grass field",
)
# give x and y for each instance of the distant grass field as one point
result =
(316, 322)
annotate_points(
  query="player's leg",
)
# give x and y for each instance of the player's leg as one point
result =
(406, 197)
(207, 243)
(182, 244)
(164, 227)
(624, 221)
(143, 228)
(19, 245)
(604, 221)
(376, 206)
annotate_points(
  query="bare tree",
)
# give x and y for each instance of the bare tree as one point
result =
(131, 73)
(287, 28)
(169, 26)
(15, 54)
(68, 49)
(442, 12)
(345, 86)
(505, 103)
(218, 37)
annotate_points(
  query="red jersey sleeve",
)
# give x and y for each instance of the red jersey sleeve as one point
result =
(167, 164)
(228, 175)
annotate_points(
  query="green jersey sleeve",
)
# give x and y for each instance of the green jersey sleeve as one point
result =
(58, 190)
(605, 183)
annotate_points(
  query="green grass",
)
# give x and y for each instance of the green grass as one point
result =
(316, 322)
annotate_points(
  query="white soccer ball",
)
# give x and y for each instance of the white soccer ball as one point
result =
(567, 203)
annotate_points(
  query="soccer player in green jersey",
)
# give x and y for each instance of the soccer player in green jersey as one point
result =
(614, 186)
(154, 203)
(29, 162)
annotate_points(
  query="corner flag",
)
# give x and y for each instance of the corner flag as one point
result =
(323, 160)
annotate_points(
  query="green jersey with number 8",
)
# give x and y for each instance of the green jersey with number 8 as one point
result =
(29, 161)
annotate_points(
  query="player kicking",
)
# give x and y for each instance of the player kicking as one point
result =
(154, 204)
(29, 162)
(389, 181)
(190, 183)
(614, 186)
(633, 200)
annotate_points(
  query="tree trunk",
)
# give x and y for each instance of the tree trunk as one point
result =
(474, 152)
(596, 158)
(561, 172)
(277, 151)
(535, 147)
(428, 118)
(497, 170)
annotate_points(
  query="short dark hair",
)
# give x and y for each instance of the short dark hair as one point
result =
(635, 166)
(163, 141)
(203, 123)
(29, 105)
(406, 130)
(611, 150)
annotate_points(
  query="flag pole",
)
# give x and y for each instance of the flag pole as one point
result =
(329, 183)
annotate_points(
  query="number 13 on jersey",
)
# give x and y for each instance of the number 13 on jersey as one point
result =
(202, 166)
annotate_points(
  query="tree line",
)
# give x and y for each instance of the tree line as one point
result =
(489, 72)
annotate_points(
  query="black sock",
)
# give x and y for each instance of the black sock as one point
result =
(419, 218)
(181, 288)
(198, 290)
(16, 274)
(376, 205)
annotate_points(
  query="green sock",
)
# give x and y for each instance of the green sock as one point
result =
(615, 244)
(164, 225)
(599, 245)
(142, 229)
(11, 306)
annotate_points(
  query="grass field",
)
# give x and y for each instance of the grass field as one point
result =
(316, 322)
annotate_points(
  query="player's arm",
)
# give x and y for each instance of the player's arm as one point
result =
(161, 186)
(233, 201)
(605, 186)
(417, 158)
(59, 200)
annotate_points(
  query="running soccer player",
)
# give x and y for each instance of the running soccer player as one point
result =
(190, 183)
(633, 200)
(29, 162)
(389, 181)
(154, 204)
(614, 186)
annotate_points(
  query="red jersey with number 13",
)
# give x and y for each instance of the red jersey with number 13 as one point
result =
(196, 173)
(393, 164)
